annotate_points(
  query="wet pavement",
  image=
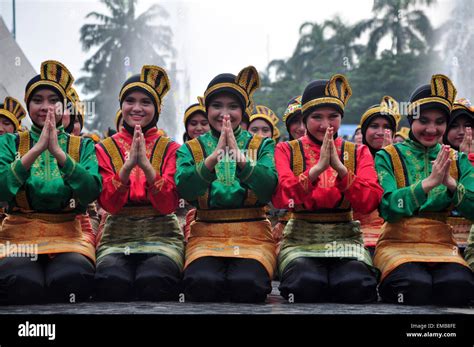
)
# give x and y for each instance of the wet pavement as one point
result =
(275, 304)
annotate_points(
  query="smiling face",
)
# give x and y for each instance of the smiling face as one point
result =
(296, 127)
(6, 126)
(430, 127)
(41, 100)
(224, 104)
(321, 119)
(197, 125)
(457, 130)
(375, 132)
(261, 128)
(138, 109)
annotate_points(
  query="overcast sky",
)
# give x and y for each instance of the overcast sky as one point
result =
(211, 36)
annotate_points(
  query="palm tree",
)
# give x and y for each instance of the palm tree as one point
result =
(342, 41)
(125, 42)
(409, 29)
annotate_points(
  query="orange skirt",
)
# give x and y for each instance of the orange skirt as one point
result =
(236, 239)
(415, 240)
(60, 234)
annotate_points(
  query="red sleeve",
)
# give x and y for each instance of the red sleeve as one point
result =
(114, 194)
(291, 189)
(471, 158)
(163, 194)
(362, 189)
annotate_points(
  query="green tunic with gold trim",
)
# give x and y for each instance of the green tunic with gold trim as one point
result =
(46, 201)
(49, 187)
(416, 165)
(417, 228)
(230, 219)
(229, 186)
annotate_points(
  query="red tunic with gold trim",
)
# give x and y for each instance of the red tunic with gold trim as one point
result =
(141, 216)
(361, 188)
(115, 195)
(323, 208)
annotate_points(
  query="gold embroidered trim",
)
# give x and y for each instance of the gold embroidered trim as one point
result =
(297, 159)
(113, 152)
(453, 169)
(326, 100)
(460, 192)
(349, 158)
(74, 147)
(11, 117)
(253, 148)
(21, 199)
(198, 155)
(159, 152)
(146, 87)
(192, 110)
(44, 82)
(420, 102)
(228, 85)
(397, 166)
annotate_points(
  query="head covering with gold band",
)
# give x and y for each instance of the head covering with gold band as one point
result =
(54, 76)
(241, 86)
(439, 94)
(195, 108)
(76, 109)
(388, 109)
(292, 109)
(14, 111)
(334, 92)
(153, 81)
(266, 114)
(292, 113)
(462, 107)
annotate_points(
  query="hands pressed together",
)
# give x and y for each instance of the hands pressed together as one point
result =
(48, 140)
(137, 157)
(328, 158)
(226, 144)
(467, 145)
(440, 172)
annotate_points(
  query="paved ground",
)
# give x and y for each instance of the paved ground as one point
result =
(274, 305)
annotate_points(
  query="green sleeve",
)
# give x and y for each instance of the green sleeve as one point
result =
(192, 180)
(463, 197)
(261, 176)
(83, 177)
(12, 171)
(396, 203)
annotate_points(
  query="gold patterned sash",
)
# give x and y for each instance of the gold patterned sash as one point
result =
(415, 239)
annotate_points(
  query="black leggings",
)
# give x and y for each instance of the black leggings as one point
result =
(151, 277)
(67, 277)
(448, 284)
(308, 279)
(226, 279)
